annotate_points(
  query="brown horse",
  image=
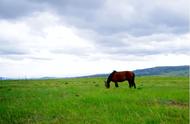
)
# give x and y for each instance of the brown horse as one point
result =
(120, 77)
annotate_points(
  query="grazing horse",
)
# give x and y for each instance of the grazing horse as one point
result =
(120, 77)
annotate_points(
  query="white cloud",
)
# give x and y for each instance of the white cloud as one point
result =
(116, 35)
(50, 35)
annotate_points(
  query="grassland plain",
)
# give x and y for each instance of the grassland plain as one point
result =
(157, 100)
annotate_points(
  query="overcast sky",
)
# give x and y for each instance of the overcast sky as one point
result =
(81, 37)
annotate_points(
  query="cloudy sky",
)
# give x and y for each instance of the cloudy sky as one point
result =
(80, 37)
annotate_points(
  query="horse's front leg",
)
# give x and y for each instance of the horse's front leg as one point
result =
(116, 84)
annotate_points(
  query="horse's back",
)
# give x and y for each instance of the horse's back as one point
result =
(122, 76)
(129, 74)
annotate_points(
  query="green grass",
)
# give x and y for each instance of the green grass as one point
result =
(157, 100)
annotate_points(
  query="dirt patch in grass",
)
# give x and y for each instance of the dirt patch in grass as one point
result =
(171, 103)
(174, 103)
(178, 104)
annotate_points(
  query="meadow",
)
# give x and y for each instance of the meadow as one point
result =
(156, 100)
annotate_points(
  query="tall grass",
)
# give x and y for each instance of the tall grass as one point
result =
(156, 100)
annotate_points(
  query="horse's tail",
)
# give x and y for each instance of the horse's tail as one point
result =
(133, 80)
(133, 75)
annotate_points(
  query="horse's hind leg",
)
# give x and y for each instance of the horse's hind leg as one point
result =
(130, 84)
(116, 84)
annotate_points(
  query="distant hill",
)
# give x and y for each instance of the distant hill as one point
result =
(3, 78)
(156, 71)
(164, 71)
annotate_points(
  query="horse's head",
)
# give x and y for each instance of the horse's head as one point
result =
(107, 84)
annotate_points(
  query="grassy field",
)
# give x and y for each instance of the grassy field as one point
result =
(157, 100)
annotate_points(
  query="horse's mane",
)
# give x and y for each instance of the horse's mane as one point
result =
(111, 75)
